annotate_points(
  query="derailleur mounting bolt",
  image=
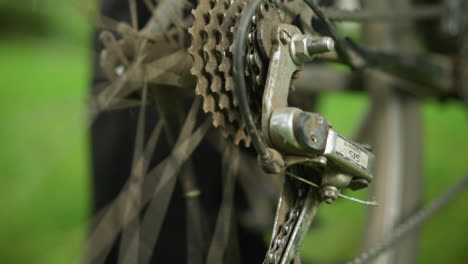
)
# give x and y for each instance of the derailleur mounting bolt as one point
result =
(303, 47)
(320, 45)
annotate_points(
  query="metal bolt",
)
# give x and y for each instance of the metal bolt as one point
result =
(320, 45)
(329, 194)
(304, 47)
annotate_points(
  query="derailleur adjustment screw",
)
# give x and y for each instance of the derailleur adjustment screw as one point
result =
(329, 194)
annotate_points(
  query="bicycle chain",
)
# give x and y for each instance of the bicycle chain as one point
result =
(255, 63)
(284, 231)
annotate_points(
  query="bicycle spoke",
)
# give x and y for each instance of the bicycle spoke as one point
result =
(195, 220)
(157, 180)
(165, 14)
(140, 135)
(261, 190)
(149, 4)
(156, 211)
(153, 55)
(219, 242)
(160, 195)
(124, 104)
(140, 169)
(130, 237)
(114, 95)
(106, 23)
(133, 13)
(99, 21)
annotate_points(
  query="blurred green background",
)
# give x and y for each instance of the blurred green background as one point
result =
(44, 193)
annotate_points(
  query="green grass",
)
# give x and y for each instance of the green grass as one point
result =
(44, 191)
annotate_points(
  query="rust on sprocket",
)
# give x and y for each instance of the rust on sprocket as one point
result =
(213, 34)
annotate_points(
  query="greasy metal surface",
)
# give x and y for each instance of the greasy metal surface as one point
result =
(260, 42)
(212, 34)
(349, 158)
(296, 132)
(311, 130)
(303, 48)
(280, 72)
(270, 15)
(212, 39)
(297, 207)
(307, 214)
(282, 129)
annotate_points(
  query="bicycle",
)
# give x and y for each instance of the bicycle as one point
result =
(245, 55)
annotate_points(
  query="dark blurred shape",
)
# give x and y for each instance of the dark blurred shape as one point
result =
(17, 19)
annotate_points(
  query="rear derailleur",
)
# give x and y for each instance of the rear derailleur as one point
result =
(318, 162)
